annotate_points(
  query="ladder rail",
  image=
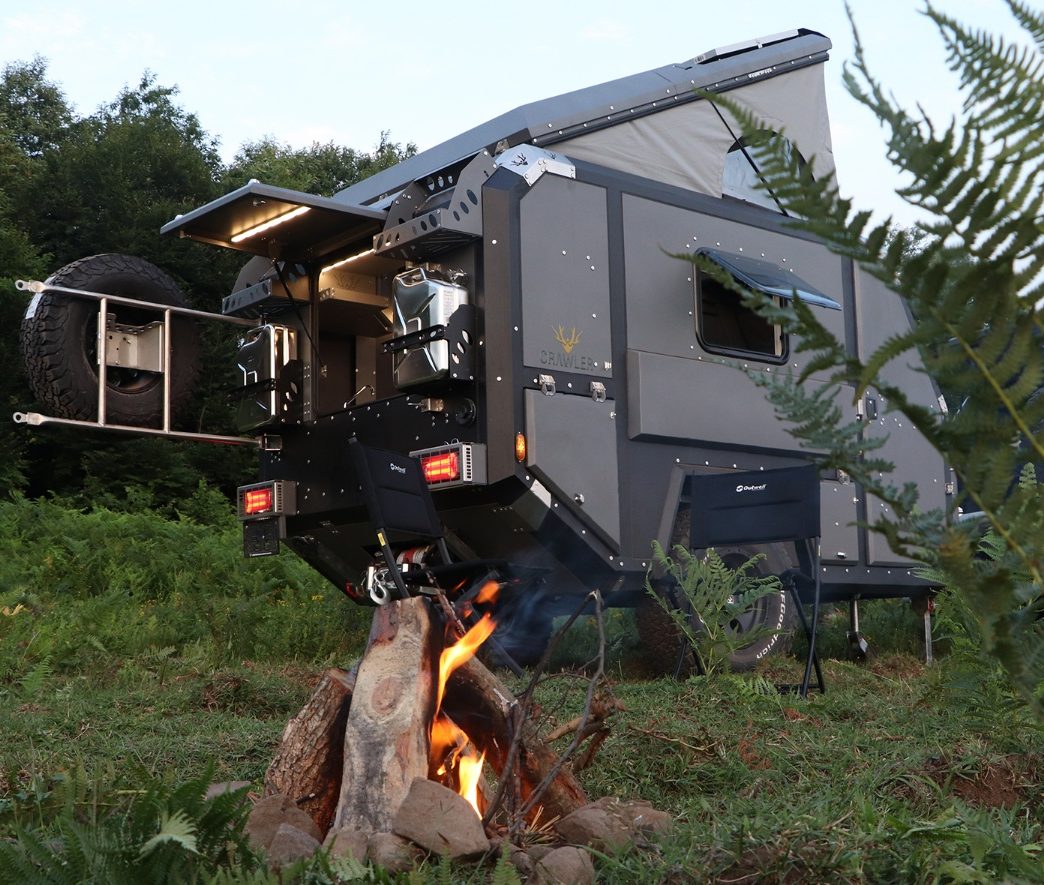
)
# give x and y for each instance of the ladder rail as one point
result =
(168, 312)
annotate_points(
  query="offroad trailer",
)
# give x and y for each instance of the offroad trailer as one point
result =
(505, 307)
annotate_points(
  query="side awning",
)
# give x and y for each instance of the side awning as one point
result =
(763, 276)
(278, 223)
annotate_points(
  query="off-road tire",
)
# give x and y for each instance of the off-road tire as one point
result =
(58, 342)
(660, 637)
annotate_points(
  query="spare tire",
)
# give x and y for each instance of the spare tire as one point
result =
(60, 350)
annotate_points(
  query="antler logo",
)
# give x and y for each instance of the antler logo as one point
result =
(567, 343)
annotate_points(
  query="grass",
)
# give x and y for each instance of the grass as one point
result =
(898, 773)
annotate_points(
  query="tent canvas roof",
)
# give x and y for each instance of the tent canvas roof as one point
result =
(564, 118)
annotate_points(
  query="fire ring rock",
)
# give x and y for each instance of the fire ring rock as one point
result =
(290, 844)
(436, 818)
(610, 824)
(565, 866)
(270, 813)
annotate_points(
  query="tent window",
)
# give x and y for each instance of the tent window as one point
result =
(725, 325)
(741, 180)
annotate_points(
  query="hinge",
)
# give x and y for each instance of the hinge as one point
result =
(547, 385)
(307, 409)
(598, 391)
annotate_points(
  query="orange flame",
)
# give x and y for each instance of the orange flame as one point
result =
(451, 749)
(488, 593)
(460, 653)
(469, 771)
(460, 759)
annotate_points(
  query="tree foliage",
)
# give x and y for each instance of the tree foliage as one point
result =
(971, 274)
(318, 169)
(74, 185)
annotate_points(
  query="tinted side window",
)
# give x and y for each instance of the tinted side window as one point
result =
(725, 325)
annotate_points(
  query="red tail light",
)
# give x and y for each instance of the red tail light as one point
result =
(444, 467)
(263, 499)
(453, 464)
(256, 501)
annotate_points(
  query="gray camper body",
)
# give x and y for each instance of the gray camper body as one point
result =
(569, 326)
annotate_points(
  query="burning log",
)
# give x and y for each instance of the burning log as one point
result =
(417, 708)
(307, 766)
(484, 708)
(386, 735)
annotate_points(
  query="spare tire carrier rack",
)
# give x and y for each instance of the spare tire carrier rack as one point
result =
(35, 419)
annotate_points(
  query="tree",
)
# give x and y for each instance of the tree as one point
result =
(320, 169)
(73, 186)
(979, 324)
(33, 110)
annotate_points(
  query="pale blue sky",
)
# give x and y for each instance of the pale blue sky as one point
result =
(343, 71)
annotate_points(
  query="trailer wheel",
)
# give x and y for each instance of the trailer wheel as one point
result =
(660, 636)
(59, 342)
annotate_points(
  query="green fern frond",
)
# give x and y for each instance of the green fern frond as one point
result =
(972, 275)
(32, 682)
(176, 829)
(1032, 21)
(709, 596)
(504, 873)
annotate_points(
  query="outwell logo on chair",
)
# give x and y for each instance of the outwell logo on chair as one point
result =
(760, 488)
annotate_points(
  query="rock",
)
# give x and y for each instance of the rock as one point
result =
(540, 851)
(610, 824)
(271, 813)
(521, 861)
(290, 844)
(436, 818)
(642, 817)
(225, 787)
(347, 841)
(393, 853)
(565, 866)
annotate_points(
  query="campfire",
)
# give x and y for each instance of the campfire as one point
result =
(421, 746)
(453, 759)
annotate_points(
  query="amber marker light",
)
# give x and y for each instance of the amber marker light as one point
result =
(520, 448)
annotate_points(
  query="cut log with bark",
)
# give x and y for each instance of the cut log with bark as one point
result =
(307, 766)
(386, 739)
(348, 759)
(481, 705)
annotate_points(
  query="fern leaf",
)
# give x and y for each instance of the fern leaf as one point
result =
(177, 829)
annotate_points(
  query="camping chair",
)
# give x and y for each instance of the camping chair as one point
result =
(760, 507)
(403, 514)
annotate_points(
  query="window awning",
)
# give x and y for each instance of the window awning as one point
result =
(278, 223)
(766, 277)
